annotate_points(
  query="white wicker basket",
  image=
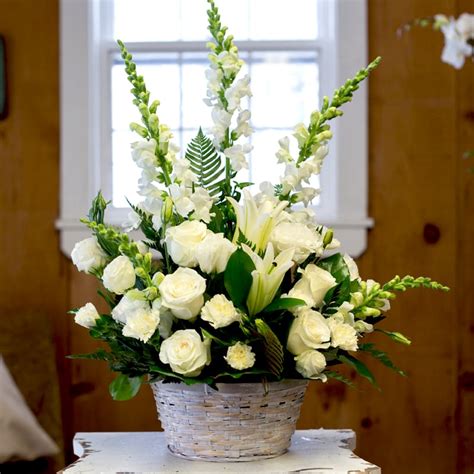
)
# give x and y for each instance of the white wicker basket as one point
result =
(237, 422)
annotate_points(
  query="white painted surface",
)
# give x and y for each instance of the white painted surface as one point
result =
(312, 451)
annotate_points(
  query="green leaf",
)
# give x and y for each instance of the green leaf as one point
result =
(272, 347)
(124, 388)
(283, 303)
(220, 342)
(330, 374)
(98, 355)
(205, 163)
(238, 277)
(336, 266)
(381, 357)
(396, 336)
(238, 375)
(359, 367)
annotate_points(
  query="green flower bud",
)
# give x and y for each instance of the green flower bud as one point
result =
(151, 293)
(144, 110)
(365, 312)
(167, 210)
(142, 131)
(157, 278)
(315, 117)
(398, 337)
(154, 105)
(328, 236)
(141, 273)
(153, 122)
(357, 298)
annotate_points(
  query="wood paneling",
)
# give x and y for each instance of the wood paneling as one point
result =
(421, 197)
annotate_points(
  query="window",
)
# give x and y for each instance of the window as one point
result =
(295, 53)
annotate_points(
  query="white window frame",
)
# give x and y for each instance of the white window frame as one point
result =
(86, 131)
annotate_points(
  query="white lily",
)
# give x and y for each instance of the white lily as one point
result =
(267, 276)
(256, 222)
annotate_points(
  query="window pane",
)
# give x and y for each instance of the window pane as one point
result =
(285, 88)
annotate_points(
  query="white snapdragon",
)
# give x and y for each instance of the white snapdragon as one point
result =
(182, 172)
(221, 119)
(243, 125)
(309, 330)
(182, 240)
(213, 253)
(300, 132)
(352, 267)
(313, 285)
(283, 154)
(240, 356)
(202, 203)
(88, 255)
(456, 47)
(133, 221)
(236, 154)
(266, 197)
(465, 26)
(185, 352)
(182, 293)
(235, 93)
(343, 332)
(87, 316)
(143, 154)
(229, 61)
(119, 275)
(219, 312)
(310, 364)
(181, 196)
(300, 237)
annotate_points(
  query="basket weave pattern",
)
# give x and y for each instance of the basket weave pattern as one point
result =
(238, 422)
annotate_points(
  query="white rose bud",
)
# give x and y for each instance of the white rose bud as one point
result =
(313, 285)
(119, 275)
(182, 292)
(88, 254)
(142, 323)
(240, 356)
(127, 306)
(182, 240)
(214, 252)
(343, 335)
(310, 364)
(308, 331)
(185, 352)
(219, 312)
(87, 316)
(296, 236)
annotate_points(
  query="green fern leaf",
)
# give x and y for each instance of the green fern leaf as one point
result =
(272, 347)
(205, 162)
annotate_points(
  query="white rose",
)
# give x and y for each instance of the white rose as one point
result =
(240, 356)
(310, 364)
(182, 292)
(343, 335)
(214, 252)
(142, 323)
(308, 331)
(88, 254)
(219, 312)
(128, 305)
(296, 236)
(185, 352)
(181, 242)
(352, 267)
(313, 285)
(87, 316)
(119, 275)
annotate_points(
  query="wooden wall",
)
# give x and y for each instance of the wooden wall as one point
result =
(422, 200)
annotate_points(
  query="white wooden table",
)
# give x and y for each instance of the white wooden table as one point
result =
(312, 451)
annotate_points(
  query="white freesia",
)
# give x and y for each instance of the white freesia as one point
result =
(182, 240)
(182, 293)
(300, 237)
(141, 324)
(185, 352)
(267, 276)
(119, 275)
(309, 330)
(88, 255)
(87, 316)
(129, 304)
(352, 267)
(256, 222)
(213, 253)
(240, 356)
(236, 154)
(310, 364)
(313, 285)
(219, 312)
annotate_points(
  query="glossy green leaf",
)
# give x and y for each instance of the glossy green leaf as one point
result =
(272, 346)
(238, 277)
(359, 367)
(124, 387)
(283, 303)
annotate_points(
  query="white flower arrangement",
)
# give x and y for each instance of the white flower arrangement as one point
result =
(244, 288)
(458, 36)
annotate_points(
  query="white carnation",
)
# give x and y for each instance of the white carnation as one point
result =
(128, 305)
(308, 331)
(119, 275)
(240, 356)
(310, 364)
(182, 292)
(214, 252)
(182, 240)
(185, 352)
(219, 312)
(142, 323)
(88, 254)
(87, 316)
(343, 335)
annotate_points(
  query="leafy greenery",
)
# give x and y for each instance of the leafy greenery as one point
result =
(381, 357)
(273, 348)
(124, 388)
(331, 374)
(238, 277)
(283, 303)
(359, 367)
(396, 336)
